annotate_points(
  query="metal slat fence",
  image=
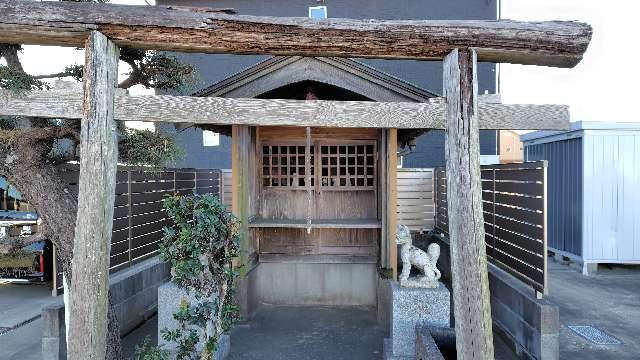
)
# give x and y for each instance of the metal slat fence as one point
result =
(138, 215)
(415, 198)
(514, 207)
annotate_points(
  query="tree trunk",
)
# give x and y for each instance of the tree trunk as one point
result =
(43, 186)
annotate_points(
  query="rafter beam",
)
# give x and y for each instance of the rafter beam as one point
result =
(227, 111)
(551, 43)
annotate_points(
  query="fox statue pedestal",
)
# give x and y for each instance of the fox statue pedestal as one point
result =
(411, 307)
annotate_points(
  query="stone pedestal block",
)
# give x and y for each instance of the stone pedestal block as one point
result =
(169, 299)
(411, 307)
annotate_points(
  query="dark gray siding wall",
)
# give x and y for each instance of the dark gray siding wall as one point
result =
(427, 75)
(564, 189)
(429, 151)
(198, 156)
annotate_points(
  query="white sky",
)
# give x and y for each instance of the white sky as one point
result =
(601, 88)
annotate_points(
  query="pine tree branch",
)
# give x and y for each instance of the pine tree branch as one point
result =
(10, 53)
(21, 242)
(51, 76)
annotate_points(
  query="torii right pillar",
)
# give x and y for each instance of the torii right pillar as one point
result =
(470, 282)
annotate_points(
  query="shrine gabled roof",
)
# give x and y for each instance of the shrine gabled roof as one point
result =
(341, 72)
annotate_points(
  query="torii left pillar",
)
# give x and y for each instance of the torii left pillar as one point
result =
(98, 165)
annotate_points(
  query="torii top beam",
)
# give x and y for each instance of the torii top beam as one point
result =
(553, 43)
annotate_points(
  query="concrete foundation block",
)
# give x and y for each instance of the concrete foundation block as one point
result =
(383, 303)
(54, 346)
(339, 284)
(169, 299)
(414, 307)
(589, 269)
(133, 297)
(224, 347)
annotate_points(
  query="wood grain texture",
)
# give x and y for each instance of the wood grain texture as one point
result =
(240, 150)
(318, 113)
(472, 308)
(392, 198)
(98, 162)
(551, 43)
(383, 188)
(343, 220)
(316, 224)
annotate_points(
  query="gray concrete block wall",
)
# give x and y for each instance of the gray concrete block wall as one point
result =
(530, 326)
(134, 291)
(246, 293)
(53, 345)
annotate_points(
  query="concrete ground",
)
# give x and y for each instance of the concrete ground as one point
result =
(20, 303)
(610, 301)
(20, 324)
(289, 332)
(137, 336)
(294, 332)
(22, 343)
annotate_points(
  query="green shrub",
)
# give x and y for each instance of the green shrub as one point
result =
(200, 247)
(148, 351)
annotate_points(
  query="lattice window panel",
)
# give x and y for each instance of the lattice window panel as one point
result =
(348, 166)
(283, 166)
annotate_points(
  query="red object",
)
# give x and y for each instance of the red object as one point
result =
(41, 263)
(310, 95)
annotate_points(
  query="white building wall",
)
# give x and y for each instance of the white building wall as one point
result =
(611, 217)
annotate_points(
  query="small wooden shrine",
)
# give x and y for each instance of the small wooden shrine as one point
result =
(340, 199)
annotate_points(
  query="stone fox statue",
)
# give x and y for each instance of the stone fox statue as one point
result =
(424, 261)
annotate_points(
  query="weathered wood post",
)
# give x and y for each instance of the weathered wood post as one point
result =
(240, 172)
(392, 199)
(98, 163)
(474, 338)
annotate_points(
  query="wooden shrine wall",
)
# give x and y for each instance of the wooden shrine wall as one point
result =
(344, 207)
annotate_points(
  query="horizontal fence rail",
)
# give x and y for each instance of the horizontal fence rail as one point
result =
(514, 209)
(416, 199)
(138, 215)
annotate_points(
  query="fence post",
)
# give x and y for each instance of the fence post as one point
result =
(129, 215)
(545, 164)
(493, 212)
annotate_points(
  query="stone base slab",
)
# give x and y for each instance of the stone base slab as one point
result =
(411, 307)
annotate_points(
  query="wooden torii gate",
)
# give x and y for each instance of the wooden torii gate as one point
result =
(101, 29)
